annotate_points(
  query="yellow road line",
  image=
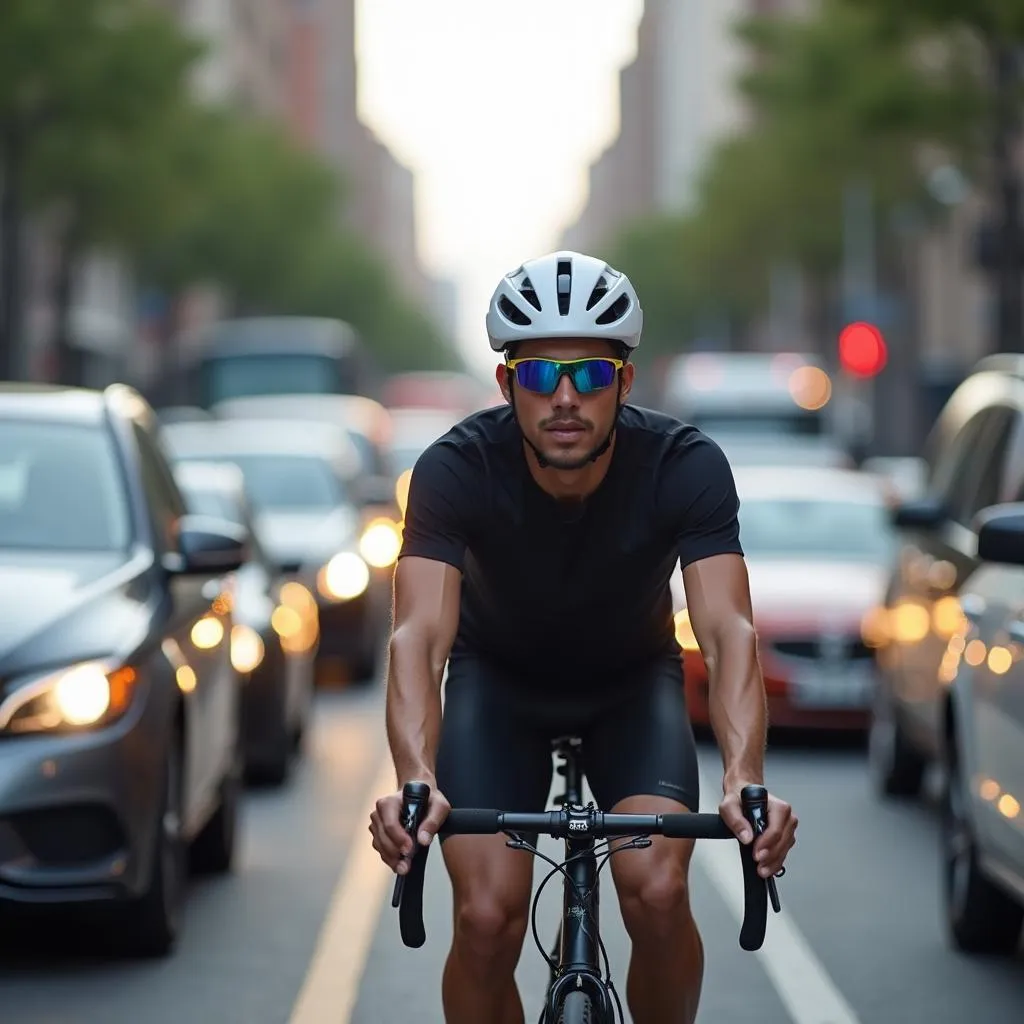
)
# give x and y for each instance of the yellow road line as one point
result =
(331, 985)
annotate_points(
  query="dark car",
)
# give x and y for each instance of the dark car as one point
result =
(975, 458)
(119, 707)
(302, 480)
(273, 640)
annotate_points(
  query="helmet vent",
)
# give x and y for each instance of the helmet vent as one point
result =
(564, 278)
(616, 311)
(513, 312)
(599, 292)
(527, 291)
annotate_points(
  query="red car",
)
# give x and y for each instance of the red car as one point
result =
(819, 546)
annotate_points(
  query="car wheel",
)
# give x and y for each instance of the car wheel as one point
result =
(154, 918)
(896, 768)
(273, 768)
(213, 851)
(981, 917)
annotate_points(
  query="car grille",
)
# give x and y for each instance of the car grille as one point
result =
(822, 648)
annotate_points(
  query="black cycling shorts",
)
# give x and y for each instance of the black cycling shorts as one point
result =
(497, 733)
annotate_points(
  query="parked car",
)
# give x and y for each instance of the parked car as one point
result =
(275, 631)
(975, 458)
(983, 724)
(302, 480)
(119, 707)
(818, 545)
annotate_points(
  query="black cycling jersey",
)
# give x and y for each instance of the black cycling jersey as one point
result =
(574, 594)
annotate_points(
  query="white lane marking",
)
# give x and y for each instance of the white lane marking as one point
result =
(799, 977)
(332, 982)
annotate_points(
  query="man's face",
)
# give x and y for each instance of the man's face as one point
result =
(566, 426)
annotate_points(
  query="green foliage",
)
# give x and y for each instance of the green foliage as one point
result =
(98, 125)
(846, 95)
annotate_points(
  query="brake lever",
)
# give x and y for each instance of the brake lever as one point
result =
(414, 809)
(755, 806)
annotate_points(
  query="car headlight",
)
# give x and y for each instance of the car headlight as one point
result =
(380, 543)
(87, 695)
(344, 577)
(246, 648)
(684, 632)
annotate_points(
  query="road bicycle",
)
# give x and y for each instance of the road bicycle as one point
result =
(579, 991)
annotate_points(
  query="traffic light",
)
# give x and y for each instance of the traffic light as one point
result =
(862, 350)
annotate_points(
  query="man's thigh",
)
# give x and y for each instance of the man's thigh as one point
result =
(492, 752)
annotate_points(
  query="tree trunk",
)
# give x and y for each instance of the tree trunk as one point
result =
(10, 255)
(67, 354)
(1010, 265)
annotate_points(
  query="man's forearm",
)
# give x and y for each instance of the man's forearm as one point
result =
(413, 714)
(737, 706)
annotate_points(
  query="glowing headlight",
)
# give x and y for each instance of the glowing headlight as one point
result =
(380, 543)
(684, 632)
(92, 693)
(344, 577)
(246, 648)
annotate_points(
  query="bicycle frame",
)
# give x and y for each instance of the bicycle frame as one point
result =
(576, 946)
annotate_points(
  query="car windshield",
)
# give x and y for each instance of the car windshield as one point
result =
(856, 531)
(61, 488)
(276, 483)
(734, 424)
(224, 378)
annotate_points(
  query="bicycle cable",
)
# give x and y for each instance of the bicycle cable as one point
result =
(603, 850)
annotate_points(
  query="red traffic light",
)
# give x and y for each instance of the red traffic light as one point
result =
(862, 350)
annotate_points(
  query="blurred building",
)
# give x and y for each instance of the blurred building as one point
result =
(322, 108)
(246, 61)
(676, 100)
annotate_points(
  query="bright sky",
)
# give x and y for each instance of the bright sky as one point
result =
(498, 108)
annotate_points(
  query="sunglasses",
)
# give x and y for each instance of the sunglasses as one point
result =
(541, 376)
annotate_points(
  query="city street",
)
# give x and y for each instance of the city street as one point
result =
(304, 932)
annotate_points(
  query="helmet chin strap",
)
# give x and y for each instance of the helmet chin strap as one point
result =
(593, 456)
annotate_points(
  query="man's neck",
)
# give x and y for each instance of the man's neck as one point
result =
(570, 484)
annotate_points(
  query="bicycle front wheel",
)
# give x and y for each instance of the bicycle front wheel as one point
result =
(577, 1009)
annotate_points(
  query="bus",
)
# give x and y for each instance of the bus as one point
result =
(278, 355)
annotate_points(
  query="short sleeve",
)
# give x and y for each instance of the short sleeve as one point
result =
(698, 495)
(439, 506)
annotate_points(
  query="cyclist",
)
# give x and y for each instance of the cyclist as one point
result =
(539, 541)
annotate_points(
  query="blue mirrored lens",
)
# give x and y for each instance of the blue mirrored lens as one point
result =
(586, 375)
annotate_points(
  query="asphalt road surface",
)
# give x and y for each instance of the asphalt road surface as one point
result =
(303, 933)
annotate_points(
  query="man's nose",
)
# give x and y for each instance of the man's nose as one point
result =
(565, 394)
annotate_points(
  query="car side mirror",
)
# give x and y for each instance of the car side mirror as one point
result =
(374, 490)
(1001, 533)
(208, 546)
(919, 514)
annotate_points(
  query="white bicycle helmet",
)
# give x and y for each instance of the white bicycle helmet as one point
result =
(564, 295)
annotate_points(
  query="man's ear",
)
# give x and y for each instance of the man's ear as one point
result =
(503, 375)
(626, 380)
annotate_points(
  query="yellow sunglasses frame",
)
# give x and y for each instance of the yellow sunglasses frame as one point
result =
(617, 363)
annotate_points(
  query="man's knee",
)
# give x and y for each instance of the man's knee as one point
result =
(489, 928)
(491, 886)
(656, 899)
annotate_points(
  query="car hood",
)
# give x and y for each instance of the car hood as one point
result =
(59, 606)
(290, 537)
(797, 593)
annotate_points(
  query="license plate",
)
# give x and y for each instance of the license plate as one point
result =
(833, 687)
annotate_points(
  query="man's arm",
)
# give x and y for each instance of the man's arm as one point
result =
(427, 597)
(718, 600)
